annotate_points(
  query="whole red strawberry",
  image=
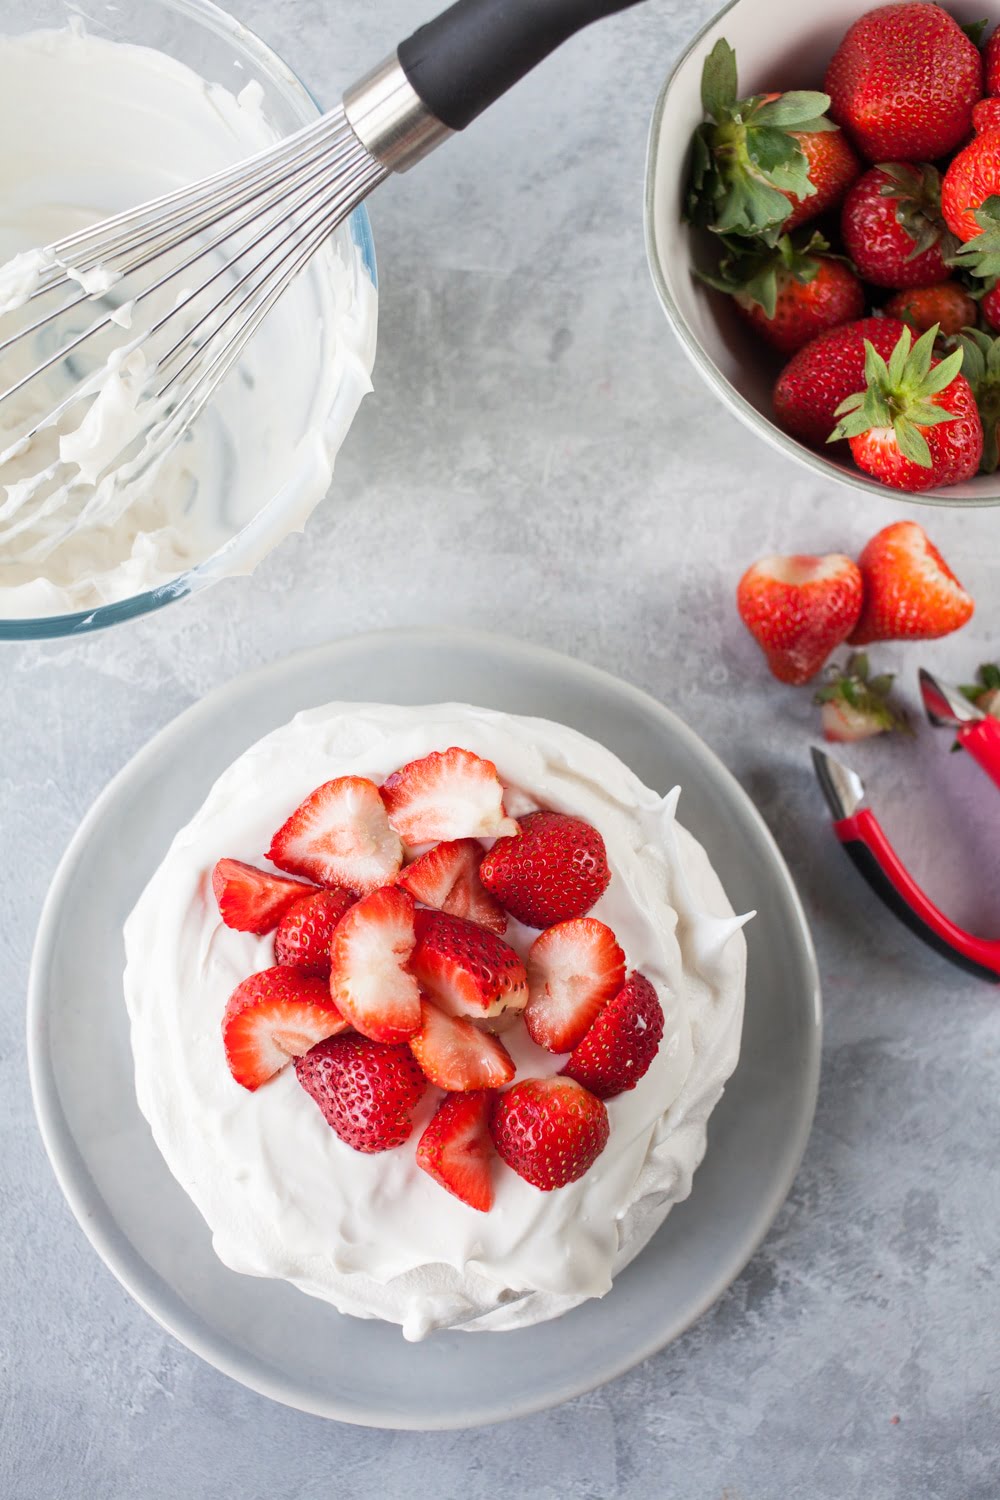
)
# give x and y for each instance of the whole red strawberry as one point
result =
(916, 427)
(754, 157)
(799, 609)
(302, 940)
(549, 1130)
(986, 116)
(823, 374)
(367, 1091)
(621, 1044)
(971, 179)
(554, 869)
(947, 305)
(903, 81)
(893, 227)
(990, 305)
(791, 293)
(910, 591)
(991, 64)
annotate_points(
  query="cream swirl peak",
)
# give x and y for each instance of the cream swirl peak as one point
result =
(375, 1236)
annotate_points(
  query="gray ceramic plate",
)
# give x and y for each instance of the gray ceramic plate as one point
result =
(268, 1335)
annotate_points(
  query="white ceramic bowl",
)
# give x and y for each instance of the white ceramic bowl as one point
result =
(778, 46)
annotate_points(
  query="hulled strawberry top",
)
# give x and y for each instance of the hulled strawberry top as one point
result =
(457, 1074)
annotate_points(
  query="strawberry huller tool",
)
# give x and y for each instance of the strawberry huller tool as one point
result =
(976, 731)
(866, 845)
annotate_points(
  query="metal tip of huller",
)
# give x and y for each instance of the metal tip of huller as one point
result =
(945, 706)
(843, 788)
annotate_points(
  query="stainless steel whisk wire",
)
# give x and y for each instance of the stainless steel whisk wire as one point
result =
(253, 227)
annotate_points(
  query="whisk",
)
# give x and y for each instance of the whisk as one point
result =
(198, 270)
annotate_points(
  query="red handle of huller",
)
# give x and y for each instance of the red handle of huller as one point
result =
(875, 858)
(982, 740)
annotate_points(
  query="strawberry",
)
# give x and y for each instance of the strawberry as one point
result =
(456, 1055)
(447, 877)
(799, 609)
(340, 835)
(972, 178)
(304, 933)
(465, 969)
(618, 1049)
(555, 868)
(903, 81)
(273, 1016)
(457, 1151)
(790, 293)
(252, 900)
(549, 1130)
(991, 64)
(817, 379)
(990, 306)
(981, 368)
(371, 946)
(947, 305)
(916, 426)
(762, 163)
(986, 116)
(893, 228)
(449, 794)
(911, 594)
(574, 968)
(367, 1091)
(855, 705)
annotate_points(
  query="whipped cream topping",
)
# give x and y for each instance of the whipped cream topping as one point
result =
(85, 518)
(372, 1234)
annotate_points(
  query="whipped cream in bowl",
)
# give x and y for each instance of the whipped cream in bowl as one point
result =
(283, 1195)
(142, 98)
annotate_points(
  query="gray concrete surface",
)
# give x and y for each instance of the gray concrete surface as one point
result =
(538, 459)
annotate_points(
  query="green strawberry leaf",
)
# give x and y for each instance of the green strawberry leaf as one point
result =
(981, 255)
(799, 109)
(975, 30)
(912, 443)
(718, 81)
(900, 394)
(981, 368)
(868, 696)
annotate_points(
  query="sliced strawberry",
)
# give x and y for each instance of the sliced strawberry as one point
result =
(251, 900)
(340, 835)
(456, 1149)
(549, 1130)
(305, 932)
(622, 1042)
(466, 970)
(574, 968)
(447, 877)
(368, 977)
(450, 794)
(367, 1091)
(456, 1055)
(273, 1016)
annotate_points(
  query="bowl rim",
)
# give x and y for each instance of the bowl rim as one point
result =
(750, 415)
(78, 622)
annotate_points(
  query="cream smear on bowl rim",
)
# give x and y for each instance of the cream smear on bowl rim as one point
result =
(112, 124)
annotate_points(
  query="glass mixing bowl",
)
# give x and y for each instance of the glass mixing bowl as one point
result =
(222, 50)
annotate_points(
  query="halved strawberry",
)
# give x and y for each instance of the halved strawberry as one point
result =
(622, 1042)
(549, 1130)
(574, 968)
(449, 794)
(368, 977)
(456, 1149)
(447, 877)
(456, 1055)
(466, 970)
(273, 1016)
(305, 932)
(251, 900)
(340, 835)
